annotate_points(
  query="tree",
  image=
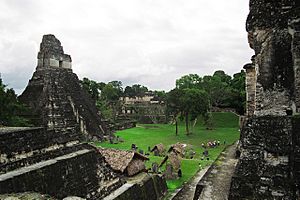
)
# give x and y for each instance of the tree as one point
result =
(194, 102)
(174, 105)
(218, 89)
(135, 90)
(110, 93)
(11, 109)
(129, 92)
(223, 76)
(92, 87)
(118, 86)
(238, 85)
(189, 81)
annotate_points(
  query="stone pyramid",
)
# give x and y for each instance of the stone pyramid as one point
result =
(56, 98)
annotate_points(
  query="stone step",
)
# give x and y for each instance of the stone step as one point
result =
(30, 158)
(65, 175)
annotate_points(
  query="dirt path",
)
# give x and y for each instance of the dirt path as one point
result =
(217, 184)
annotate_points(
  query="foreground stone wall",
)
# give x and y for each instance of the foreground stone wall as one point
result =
(269, 164)
(34, 159)
(20, 147)
(269, 144)
(72, 174)
(145, 187)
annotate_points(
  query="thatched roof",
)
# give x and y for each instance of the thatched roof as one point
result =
(119, 159)
(178, 148)
(174, 160)
(160, 147)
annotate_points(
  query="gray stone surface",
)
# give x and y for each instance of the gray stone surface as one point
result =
(269, 164)
(36, 159)
(141, 187)
(273, 28)
(215, 184)
(57, 100)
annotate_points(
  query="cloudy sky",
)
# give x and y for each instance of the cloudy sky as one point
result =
(150, 42)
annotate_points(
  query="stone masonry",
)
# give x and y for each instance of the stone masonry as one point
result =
(269, 164)
(56, 98)
(34, 159)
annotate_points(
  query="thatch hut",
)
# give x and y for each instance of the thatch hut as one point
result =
(175, 154)
(126, 162)
(158, 150)
(178, 149)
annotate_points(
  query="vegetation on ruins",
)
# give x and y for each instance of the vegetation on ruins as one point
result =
(135, 90)
(144, 136)
(11, 108)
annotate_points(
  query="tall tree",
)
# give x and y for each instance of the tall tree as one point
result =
(238, 85)
(11, 109)
(92, 87)
(174, 105)
(189, 81)
(194, 102)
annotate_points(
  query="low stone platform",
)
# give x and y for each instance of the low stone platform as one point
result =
(141, 187)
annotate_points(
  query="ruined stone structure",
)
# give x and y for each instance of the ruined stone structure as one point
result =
(269, 166)
(33, 159)
(148, 109)
(53, 159)
(250, 88)
(56, 98)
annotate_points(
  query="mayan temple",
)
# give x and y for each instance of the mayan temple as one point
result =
(56, 98)
(55, 159)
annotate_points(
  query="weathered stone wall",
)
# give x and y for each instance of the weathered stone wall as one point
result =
(150, 187)
(33, 159)
(270, 152)
(251, 89)
(269, 35)
(72, 174)
(55, 95)
(294, 30)
(268, 166)
(25, 146)
(295, 157)
(52, 55)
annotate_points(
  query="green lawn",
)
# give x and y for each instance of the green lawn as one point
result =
(225, 128)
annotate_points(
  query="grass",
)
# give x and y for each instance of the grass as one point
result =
(144, 136)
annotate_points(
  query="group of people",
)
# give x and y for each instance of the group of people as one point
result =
(212, 144)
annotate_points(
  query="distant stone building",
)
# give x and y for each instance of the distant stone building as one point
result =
(148, 109)
(148, 98)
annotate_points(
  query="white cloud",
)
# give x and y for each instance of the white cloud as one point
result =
(151, 42)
